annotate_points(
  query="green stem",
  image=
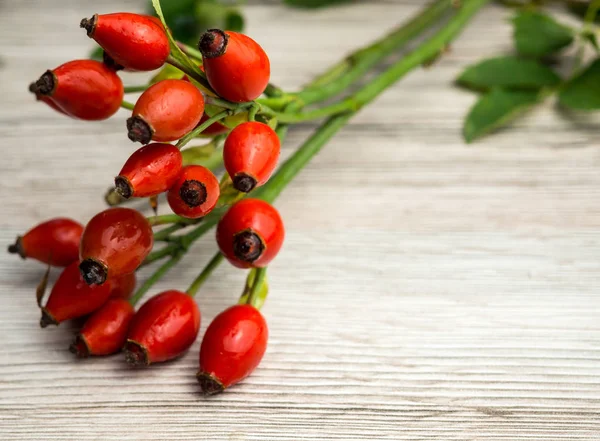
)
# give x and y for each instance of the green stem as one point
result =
(169, 250)
(198, 77)
(426, 51)
(190, 51)
(169, 219)
(158, 274)
(165, 233)
(127, 105)
(340, 76)
(187, 138)
(591, 12)
(206, 272)
(223, 103)
(259, 278)
(135, 89)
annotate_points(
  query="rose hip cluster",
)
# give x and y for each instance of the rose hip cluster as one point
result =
(100, 260)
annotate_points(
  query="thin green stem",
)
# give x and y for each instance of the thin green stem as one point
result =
(219, 102)
(158, 274)
(127, 105)
(206, 272)
(169, 219)
(273, 91)
(135, 89)
(198, 77)
(591, 12)
(165, 233)
(169, 250)
(252, 113)
(187, 138)
(259, 278)
(190, 51)
(426, 51)
(340, 76)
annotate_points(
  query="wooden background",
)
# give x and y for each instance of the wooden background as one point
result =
(427, 290)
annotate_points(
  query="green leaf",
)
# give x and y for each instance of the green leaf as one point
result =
(496, 109)
(583, 91)
(234, 20)
(313, 3)
(167, 72)
(508, 72)
(262, 293)
(539, 35)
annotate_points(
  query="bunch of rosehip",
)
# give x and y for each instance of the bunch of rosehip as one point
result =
(100, 260)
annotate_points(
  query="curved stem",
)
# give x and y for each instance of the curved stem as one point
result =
(165, 233)
(170, 219)
(169, 250)
(428, 50)
(206, 272)
(190, 51)
(127, 105)
(259, 278)
(187, 138)
(158, 274)
(198, 77)
(340, 76)
(135, 89)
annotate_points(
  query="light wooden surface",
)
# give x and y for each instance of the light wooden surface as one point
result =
(427, 289)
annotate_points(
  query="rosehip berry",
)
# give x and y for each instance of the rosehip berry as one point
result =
(122, 286)
(46, 99)
(151, 170)
(237, 68)
(165, 112)
(163, 328)
(133, 41)
(54, 242)
(71, 297)
(250, 234)
(105, 331)
(232, 347)
(250, 154)
(114, 242)
(195, 193)
(84, 89)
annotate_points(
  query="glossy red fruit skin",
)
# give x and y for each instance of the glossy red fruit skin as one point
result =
(250, 154)
(149, 171)
(71, 297)
(54, 242)
(116, 241)
(50, 103)
(83, 89)
(258, 218)
(163, 328)
(232, 347)
(105, 331)
(242, 72)
(200, 201)
(122, 286)
(136, 42)
(171, 108)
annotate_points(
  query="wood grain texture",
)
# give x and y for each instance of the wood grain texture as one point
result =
(427, 290)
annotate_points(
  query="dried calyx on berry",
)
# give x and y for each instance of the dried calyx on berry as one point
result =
(193, 193)
(93, 272)
(213, 43)
(248, 246)
(123, 187)
(45, 85)
(139, 130)
(89, 24)
(244, 182)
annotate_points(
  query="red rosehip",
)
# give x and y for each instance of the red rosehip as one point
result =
(54, 242)
(71, 297)
(165, 112)
(151, 170)
(122, 286)
(114, 242)
(45, 99)
(84, 89)
(232, 347)
(250, 154)
(195, 193)
(163, 328)
(136, 42)
(250, 234)
(105, 331)
(237, 68)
